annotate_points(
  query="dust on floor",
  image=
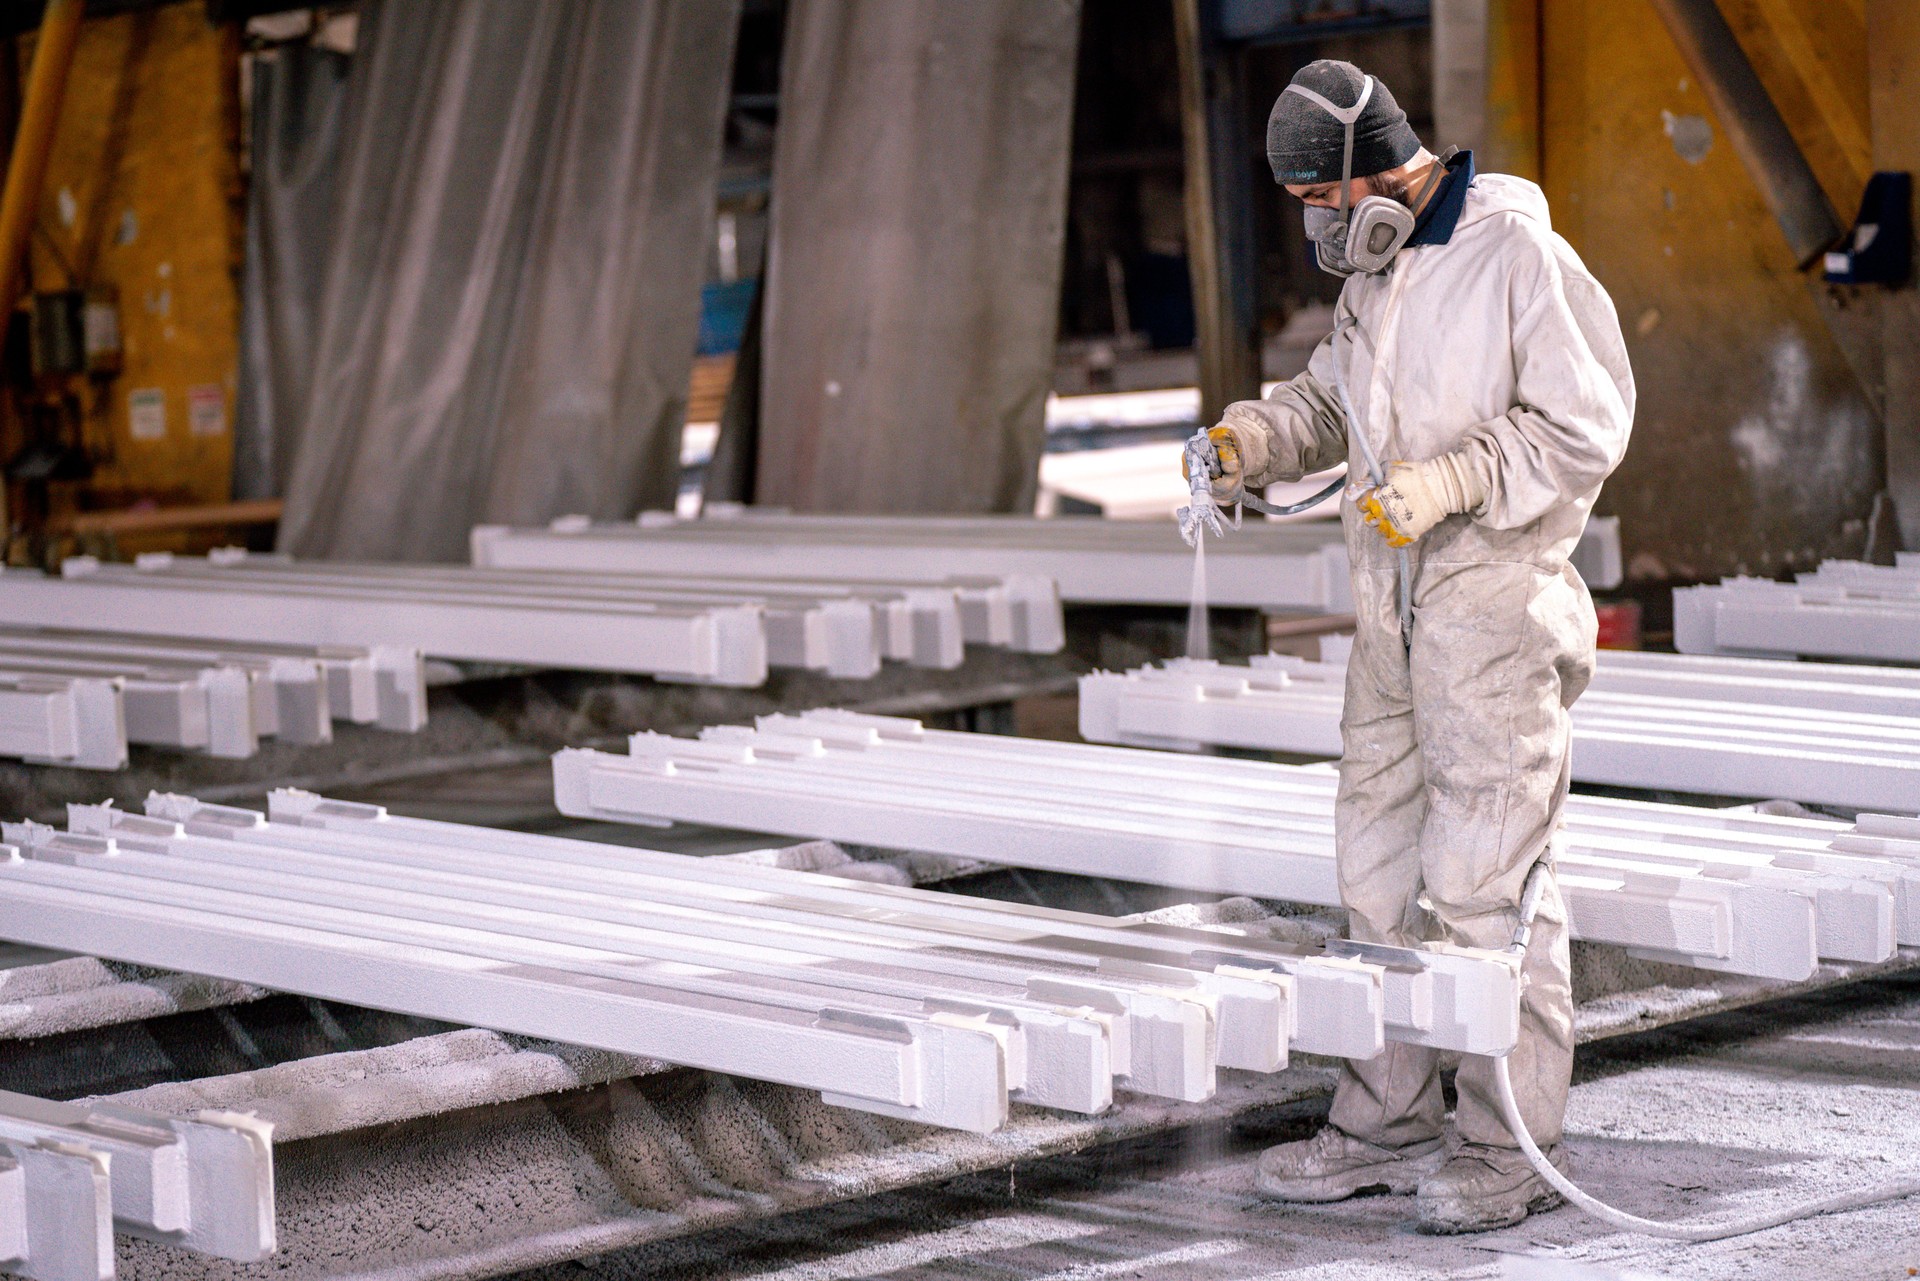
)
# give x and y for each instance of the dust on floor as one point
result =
(1733, 1114)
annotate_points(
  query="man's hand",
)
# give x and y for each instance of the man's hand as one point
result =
(1418, 496)
(1228, 467)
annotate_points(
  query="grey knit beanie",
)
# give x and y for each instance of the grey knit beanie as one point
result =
(1304, 143)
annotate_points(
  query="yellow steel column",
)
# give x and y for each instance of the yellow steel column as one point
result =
(39, 113)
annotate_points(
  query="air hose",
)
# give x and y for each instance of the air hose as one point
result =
(1510, 1110)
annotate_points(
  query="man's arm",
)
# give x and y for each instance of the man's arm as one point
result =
(1297, 429)
(1573, 406)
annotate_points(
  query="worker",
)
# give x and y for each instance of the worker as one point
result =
(1485, 368)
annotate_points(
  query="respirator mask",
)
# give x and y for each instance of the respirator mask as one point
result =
(1366, 236)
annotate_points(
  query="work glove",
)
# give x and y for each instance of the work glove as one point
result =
(1229, 466)
(1418, 496)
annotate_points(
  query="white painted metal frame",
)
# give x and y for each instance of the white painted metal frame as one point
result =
(1630, 739)
(906, 1002)
(719, 645)
(1265, 830)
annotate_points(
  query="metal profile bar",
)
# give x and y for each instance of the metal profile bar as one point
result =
(1829, 619)
(1009, 800)
(923, 624)
(944, 1069)
(723, 645)
(384, 685)
(1065, 1044)
(1339, 1004)
(56, 1211)
(1267, 566)
(63, 720)
(204, 1183)
(839, 636)
(1630, 739)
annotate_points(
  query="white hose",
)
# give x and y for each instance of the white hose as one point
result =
(1510, 1109)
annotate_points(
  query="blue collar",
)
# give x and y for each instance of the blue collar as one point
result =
(1437, 221)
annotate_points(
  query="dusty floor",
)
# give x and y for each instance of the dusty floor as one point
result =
(1740, 1112)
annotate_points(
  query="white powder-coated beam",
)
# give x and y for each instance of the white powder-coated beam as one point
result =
(842, 636)
(723, 645)
(1020, 611)
(1621, 738)
(77, 721)
(1339, 1004)
(383, 685)
(925, 624)
(1264, 830)
(1263, 566)
(945, 1069)
(1063, 1053)
(1290, 705)
(1831, 617)
(56, 1211)
(204, 1183)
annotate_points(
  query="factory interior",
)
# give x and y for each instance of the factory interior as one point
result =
(996, 640)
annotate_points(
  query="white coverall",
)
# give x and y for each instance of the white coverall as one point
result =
(1455, 762)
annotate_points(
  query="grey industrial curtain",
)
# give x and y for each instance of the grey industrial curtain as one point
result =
(299, 99)
(919, 212)
(515, 239)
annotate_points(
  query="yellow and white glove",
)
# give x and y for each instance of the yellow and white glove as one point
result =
(1230, 454)
(1418, 496)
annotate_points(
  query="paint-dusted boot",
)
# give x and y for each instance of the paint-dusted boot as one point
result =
(1483, 1188)
(1333, 1165)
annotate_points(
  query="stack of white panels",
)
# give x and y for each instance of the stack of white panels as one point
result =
(905, 1002)
(1764, 900)
(1264, 565)
(73, 1173)
(1845, 610)
(222, 699)
(1811, 733)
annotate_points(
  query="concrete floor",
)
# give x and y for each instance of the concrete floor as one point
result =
(1736, 1113)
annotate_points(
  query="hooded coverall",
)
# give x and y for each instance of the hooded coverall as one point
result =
(1456, 749)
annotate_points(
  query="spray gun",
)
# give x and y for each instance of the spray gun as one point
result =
(1203, 509)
